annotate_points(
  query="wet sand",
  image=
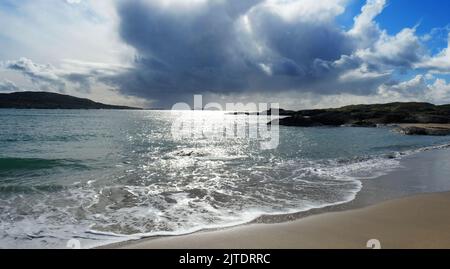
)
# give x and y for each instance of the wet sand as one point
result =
(415, 222)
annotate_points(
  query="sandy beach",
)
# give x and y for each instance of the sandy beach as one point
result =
(406, 208)
(421, 221)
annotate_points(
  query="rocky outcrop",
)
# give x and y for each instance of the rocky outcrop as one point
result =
(423, 129)
(280, 112)
(375, 115)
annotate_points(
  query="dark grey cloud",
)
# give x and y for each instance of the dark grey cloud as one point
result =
(83, 81)
(227, 47)
(210, 49)
(181, 51)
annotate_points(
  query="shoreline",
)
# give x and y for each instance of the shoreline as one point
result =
(415, 222)
(381, 200)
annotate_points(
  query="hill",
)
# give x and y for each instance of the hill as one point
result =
(48, 100)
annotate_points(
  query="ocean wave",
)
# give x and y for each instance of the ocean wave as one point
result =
(15, 138)
(11, 164)
(21, 189)
(337, 171)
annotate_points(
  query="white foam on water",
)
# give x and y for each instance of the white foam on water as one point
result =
(189, 208)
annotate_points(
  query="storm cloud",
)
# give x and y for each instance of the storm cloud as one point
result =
(165, 51)
(234, 47)
(228, 46)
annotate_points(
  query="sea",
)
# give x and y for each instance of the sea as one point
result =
(86, 178)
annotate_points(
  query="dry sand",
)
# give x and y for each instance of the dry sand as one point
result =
(416, 222)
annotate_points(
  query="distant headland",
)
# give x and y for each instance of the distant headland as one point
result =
(48, 100)
(410, 118)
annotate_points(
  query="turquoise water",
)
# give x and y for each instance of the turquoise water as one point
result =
(103, 176)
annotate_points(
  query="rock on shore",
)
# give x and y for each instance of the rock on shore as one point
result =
(424, 129)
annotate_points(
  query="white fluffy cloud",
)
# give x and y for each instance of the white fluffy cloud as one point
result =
(306, 10)
(418, 89)
(365, 29)
(402, 50)
(440, 63)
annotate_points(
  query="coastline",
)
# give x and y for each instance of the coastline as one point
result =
(415, 222)
(405, 208)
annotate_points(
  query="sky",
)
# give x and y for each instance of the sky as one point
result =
(298, 53)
